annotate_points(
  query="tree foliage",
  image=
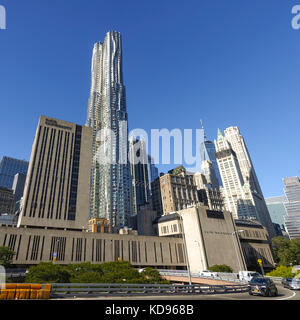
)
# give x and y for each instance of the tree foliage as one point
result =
(286, 252)
(283, 272)
(47, 272)
(108, 272)
(220, 268)
(6, 256)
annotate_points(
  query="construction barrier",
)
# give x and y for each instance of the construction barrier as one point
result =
(21, 291)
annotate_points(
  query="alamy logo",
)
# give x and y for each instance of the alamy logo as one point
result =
(296, 18)
(2, 18)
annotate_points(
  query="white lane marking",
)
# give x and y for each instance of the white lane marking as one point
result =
(294, 293)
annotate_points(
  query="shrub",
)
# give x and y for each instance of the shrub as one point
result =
(153, 276)
(283, 272)
(6, 256)
(220, 268)
(48, 272)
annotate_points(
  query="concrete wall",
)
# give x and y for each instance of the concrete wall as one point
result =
(35, 245)
(211, 239)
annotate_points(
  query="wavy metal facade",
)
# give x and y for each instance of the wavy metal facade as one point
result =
(107, 115)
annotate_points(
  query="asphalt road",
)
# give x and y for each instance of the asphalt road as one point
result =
(283, 294)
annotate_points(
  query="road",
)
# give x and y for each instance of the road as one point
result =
(283, 294)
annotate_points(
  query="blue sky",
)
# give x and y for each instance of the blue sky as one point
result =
(227, 62)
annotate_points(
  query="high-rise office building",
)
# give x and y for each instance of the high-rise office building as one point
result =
(8, 168)
(140, 173)
(210, 174)
(107, 115)
(241, 198)
(18, 189)
(238, 145)
(276, 209)
(153, 170)
(292, 206)
(208, 153)
(57, 187)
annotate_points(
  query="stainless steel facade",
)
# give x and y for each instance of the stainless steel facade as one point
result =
(107, 115)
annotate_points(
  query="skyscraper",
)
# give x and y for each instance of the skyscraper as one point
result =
(139, 173)
(153, 170)
(208, 153)
(292, 206)
(276, 209)
(8, 168)
(56, 190)
(107, 115)
(243, 196)
(18, 188)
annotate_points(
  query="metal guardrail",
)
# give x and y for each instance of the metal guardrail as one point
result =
(184, 273)
(87, 289)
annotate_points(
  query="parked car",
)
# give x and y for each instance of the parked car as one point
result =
(248, 275)
(208, 273)
(291, 283)
(262, 286)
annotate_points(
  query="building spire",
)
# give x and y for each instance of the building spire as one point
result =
(220, 135)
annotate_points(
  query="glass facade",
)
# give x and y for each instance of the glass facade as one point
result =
(277, 209)
(9, 167)
(208, 152)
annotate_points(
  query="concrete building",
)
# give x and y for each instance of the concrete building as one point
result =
(33, 246)
(57, 191)
(277, 209)
(6, 201)
(210, 237)
(253, 237)
(9, 167)
(243, 196)
(292, 206)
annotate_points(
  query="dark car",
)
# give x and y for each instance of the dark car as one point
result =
(291, 283)
(262, 286)
(286, 282)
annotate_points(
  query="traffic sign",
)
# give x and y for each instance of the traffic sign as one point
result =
(259, 262)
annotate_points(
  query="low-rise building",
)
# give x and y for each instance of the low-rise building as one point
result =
(253, 237)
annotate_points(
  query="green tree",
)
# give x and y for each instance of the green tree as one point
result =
(48, 272)
(220, 268)
(6, 257)
(283, 272)
(153, 276)
(286, 252)
(87, 277)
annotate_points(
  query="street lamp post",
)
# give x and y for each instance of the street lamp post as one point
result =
(185, 251)
(236, 250)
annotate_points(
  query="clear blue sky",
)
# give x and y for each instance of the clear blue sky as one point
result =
(227, 62)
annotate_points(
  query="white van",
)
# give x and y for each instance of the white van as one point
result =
(248, 275)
